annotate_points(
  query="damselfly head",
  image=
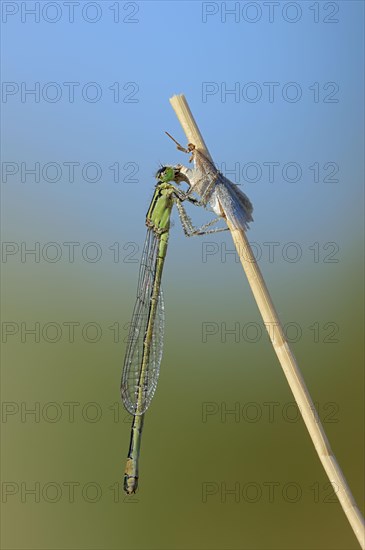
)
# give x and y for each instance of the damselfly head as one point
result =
(160, 171)
(166, 174)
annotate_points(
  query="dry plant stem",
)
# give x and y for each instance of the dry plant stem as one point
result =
(280, 344)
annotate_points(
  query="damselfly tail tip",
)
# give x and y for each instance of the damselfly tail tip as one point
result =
(130, 484)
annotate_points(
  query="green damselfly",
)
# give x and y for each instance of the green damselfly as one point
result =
(145, 341)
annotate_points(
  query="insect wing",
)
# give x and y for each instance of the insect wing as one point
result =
(212, 184)
(236, 206)
(135, 348)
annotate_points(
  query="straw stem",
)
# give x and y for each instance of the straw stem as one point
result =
(280, 344)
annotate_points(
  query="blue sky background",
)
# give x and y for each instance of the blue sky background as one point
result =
(163, 61)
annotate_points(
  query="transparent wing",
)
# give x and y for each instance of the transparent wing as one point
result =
(212, 184)
(236, 206)
(204, 176)
(134, 353)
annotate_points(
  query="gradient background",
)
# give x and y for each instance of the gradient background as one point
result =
(170, 50)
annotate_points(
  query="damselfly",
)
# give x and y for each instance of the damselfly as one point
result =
(145, 341)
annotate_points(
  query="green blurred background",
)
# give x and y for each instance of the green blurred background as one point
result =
(208, 479)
